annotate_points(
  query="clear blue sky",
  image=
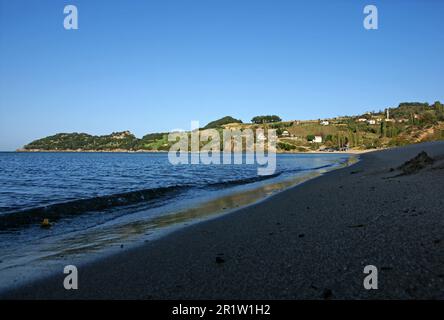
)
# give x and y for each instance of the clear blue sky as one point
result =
(150, 66)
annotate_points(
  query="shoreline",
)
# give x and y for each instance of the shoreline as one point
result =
(296, 244)
(350, 151)
(158, 227)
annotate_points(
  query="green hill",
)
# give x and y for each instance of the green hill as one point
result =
(409, 122)
(82, 141)
(220, 122)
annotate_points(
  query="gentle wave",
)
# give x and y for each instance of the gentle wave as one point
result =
(54, 212)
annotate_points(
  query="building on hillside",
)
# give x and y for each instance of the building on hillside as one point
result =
(324, 123)
(285, 133)
(371, 121)
(317, 139)
(362, 120)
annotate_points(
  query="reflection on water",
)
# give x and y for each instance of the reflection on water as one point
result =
(108, 237)
(97, 239)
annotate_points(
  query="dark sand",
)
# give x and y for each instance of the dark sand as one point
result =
(311, 241)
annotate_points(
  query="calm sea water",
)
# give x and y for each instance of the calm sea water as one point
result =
(30, 180)
(97, 202)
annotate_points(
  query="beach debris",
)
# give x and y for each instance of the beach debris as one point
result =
(45, 223)
(357, 226)
(386, 268)
(220, 260)
(327, 294)
(416, 164)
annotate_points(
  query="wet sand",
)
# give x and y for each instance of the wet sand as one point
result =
(308, 242)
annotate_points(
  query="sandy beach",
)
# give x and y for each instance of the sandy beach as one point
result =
(308, 242)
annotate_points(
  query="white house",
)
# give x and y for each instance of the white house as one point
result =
(285, 133)
(317, 139)
(371, 121)
(362, 120)
(324, 123)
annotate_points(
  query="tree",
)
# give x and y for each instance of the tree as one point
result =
(439, 110)
(382, 129)
(266, 119)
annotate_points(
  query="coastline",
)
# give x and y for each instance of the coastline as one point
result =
(350, 151)
(105, 239)
(300, 243)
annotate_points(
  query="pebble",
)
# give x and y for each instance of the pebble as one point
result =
(219, 260)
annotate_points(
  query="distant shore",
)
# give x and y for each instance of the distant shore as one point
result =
(91, 151)
(350, 151)
(308, 242)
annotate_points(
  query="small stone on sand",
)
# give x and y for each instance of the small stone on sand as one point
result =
(219, 260)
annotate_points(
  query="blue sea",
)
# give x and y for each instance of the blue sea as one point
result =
(100, 201)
